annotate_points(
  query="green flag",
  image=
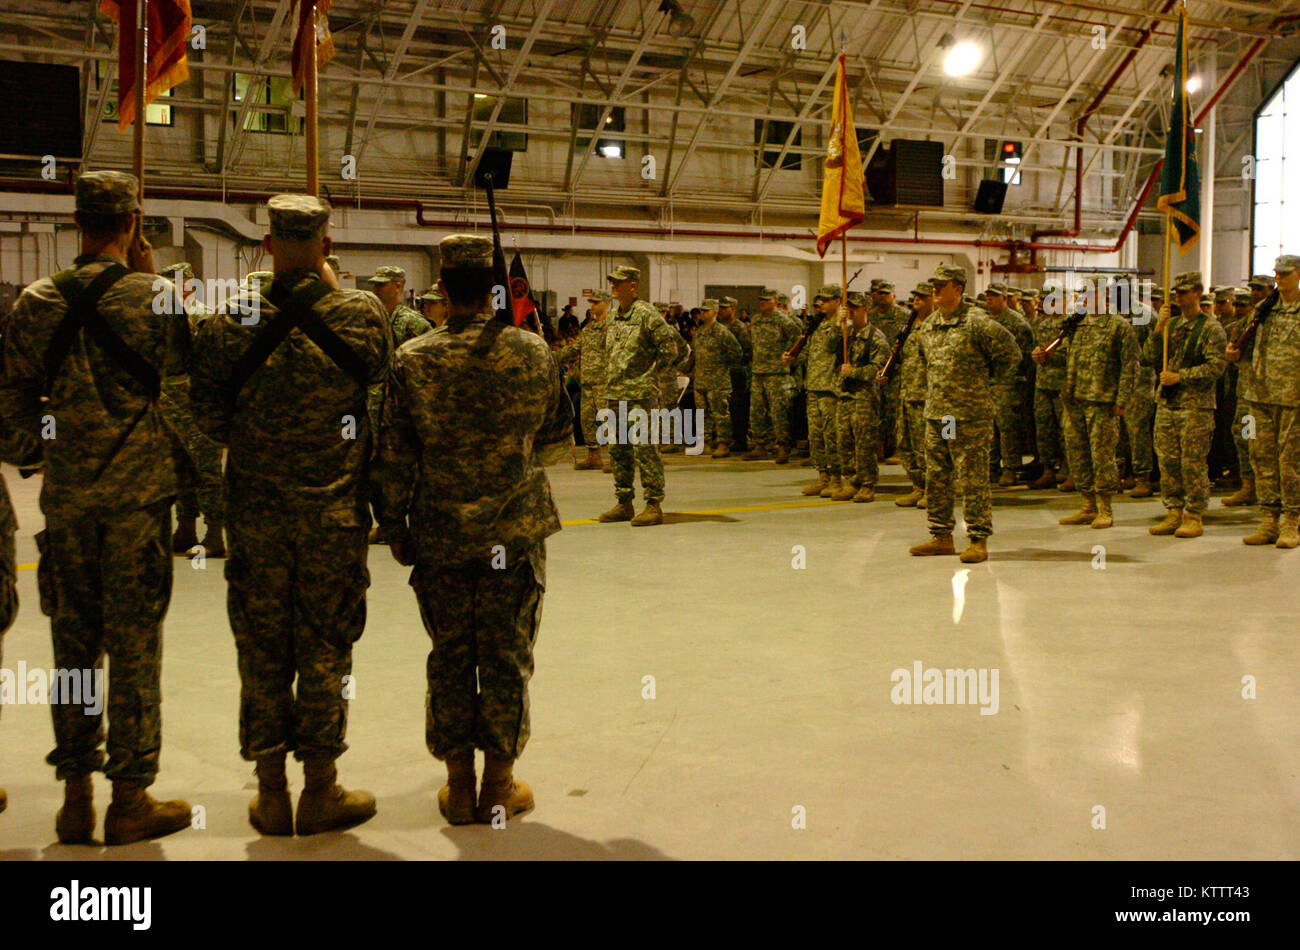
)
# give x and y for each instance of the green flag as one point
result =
(1180, 188)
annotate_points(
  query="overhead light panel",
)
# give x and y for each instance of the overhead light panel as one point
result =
(1193, 85)
(962, 58)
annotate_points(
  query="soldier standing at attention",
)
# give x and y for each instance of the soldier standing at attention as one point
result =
(637, 342)
(966, 355)
(287, 394)
(821, 359)
(433, 307)
(857, 416)
(13, 447)
(1100, 373)
(1138, 420)
(1048, 413)
(911, 391)
(475, 413)
(716, 353)
(1244, 379)
(1274, 401)
(1185, 406)
(91, 340)
(739, 374)
(667, 381)
(773, 333)
(889, 318)
(1006, 398)
(590, 351)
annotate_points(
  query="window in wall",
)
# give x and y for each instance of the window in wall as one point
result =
(778, 131)
(588, 117)
(1277, 171)
(514, 112)
(155, 113)
(275, 91)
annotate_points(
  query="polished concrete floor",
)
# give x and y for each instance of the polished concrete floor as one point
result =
(1125, 725)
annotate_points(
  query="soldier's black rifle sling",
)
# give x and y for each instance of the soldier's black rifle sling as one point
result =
(896, 353)
(1259, 316)
(1067, 330)
(295, 312)
(83, 311)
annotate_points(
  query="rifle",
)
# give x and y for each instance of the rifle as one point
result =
(500, 277)
(1259, 316)
(814, 321)
(1067, 330)
(896, 353)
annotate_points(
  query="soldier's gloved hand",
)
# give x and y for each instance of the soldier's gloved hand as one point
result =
(1169, 378)
(1232, 352)
(845, 369)
(1037, 355)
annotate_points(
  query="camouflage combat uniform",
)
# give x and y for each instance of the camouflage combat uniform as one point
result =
(406, 325)
(911, 398)
(857, 413)
(299, 444)
(740, 379)
(1101, 371)
(1274, 400)
(773, 334)
(637, 342)
(463, 449)
(967, 356)
(105, 572)
(1185, 420)
(1049, 411)
(590, 349)
(1243, 392)
(890, 323)
(821, 359)
(716, 353)
(1007, 411)
(1139, 415)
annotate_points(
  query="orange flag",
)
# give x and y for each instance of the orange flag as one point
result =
(843, 204)
(169, 34)
(312, 19)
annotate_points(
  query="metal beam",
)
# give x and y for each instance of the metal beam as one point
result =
(257, 80)
(223, 120)
(417, 16)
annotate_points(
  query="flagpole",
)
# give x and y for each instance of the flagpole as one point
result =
(312, 143)
(1169, 291)
(844, 289)
(141, 82)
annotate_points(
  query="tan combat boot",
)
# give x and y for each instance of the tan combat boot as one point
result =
(1245, 495)
(1141, 487)
(865, 493)
(975, 552)
(325, 805)
(622, 511)
(938, 544)
(1085, 515)
(832, 487)
(1191, 526)
(134, 815)
(270, 811)
(1007, 478)
(911, 498)
(1288, 535)
(754, 455)
(1266, 533)
(607, 467)
(592, 461)
(75, 822)
(651, 514)
(501, 791)
(846, 491)
(816, 487)
(1173, 518)
(1067, 485)
(1105, 517)
(722, 451)
(1046, 480)
(456, 798)
(782, 454)
(921, 502)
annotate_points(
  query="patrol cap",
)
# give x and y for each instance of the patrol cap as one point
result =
(881, 286)
(782, 298)
(596, 296)
(1261, 282)
(1223, 293)
(857, 298)
(298, 217)
(731, 302)
(923, 289)
(1000, 289)
(661, 307)
(258, 277)
(432, 295)
(829, 292)
(624, 272)
(108, 193)
(387, 272)
(1189, 280)
(183, 270)
(1030, 294)
(1207, 299)
(767, 293)
(947, 272)
(1241, 295)
(709, 303)
(1015, 292)
(1286, 263)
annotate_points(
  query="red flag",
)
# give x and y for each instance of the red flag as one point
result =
(312, 20)
(520, 291)
(169, 36)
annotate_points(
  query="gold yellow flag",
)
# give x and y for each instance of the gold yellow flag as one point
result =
(169, 32)
(843, 204)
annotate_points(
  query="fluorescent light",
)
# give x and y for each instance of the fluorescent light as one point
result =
(1193, 85)
(962, 58)
(611, 151)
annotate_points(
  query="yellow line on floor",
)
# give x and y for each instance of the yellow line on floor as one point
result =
(820, 502)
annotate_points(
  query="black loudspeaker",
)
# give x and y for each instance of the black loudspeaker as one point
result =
(907, 173)
(495, 162)
(42, 110)
(988, 200)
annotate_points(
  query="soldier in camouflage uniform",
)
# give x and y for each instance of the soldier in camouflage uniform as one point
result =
(889, 318)
(857, 413)
(589, 349)
(466, 501)
(293, 416)
(11, 449)
(820, 360)
(669, 392)
(105, 570)
(773, 333)
(197, 458)
(966, 355)
(637, 343)
(1185, 415)
(1007, 412)
(1138, 421)
(740, 375)
(798, 406)
(1048, 412)
(1100, 373)
(716, 353)
(433, 307)
(1274, 402)
(911, 393)
(1243, 309)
